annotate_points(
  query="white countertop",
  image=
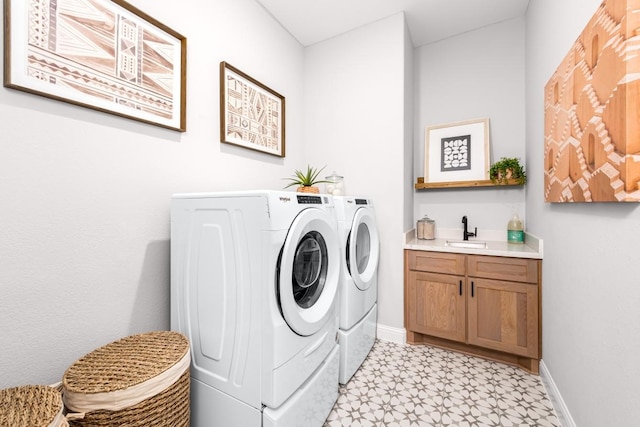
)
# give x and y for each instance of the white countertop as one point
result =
(532, 247)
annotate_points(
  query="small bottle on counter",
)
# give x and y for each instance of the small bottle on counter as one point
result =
(515, 230)
(426, 229)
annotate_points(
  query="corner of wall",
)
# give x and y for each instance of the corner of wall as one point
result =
(391, 334)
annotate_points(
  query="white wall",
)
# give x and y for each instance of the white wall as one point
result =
(474, 75)
(591, 292)
(355, 124)
(84, 223)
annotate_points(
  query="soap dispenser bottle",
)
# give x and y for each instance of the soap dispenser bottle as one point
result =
(515, 230)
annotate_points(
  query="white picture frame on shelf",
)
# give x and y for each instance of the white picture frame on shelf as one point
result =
(456, 152)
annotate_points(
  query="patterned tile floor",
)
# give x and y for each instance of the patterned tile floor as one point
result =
(423, 386)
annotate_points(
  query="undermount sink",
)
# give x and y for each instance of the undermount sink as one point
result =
(466, 244)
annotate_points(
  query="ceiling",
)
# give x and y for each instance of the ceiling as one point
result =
(312, 21)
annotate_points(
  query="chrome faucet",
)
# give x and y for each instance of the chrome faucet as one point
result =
(465, 233)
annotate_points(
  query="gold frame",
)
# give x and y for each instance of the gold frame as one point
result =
(238, 125)
(113, 72)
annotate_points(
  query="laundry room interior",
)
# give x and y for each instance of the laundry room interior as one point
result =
(85, 243)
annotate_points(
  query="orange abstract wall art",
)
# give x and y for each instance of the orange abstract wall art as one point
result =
(592, 112)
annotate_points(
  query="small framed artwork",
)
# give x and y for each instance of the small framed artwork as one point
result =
(251, 114)
(102, 54)
(457, 152)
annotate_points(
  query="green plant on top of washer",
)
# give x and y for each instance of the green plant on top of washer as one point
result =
(506, 169)
(306, 180)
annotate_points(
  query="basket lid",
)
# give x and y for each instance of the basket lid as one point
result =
(31, 405)
(126, 362)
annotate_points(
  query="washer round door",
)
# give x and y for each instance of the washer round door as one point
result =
(363, 249)
(309, 271)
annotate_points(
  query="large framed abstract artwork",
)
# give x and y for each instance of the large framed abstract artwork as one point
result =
(251, 114)
(456, 152)
(592, 112)
(101, 54)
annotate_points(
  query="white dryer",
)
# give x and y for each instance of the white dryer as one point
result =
(360, 249)
(254, 286)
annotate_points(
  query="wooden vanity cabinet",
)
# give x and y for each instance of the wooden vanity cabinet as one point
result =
(484, 305)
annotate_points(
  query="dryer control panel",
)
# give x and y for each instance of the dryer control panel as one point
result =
(309, 200)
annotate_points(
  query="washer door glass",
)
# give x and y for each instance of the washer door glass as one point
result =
(363, 249)
(309, 271)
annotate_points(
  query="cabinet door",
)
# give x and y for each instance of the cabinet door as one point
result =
(436, 305)
(504, 316)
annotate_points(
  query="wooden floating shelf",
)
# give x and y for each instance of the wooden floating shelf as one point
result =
(421, 185)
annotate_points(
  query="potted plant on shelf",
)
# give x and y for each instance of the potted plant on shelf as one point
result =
(508, 168)
(306, 181)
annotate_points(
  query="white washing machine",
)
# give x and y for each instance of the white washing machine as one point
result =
(360, 250)
(254, 286)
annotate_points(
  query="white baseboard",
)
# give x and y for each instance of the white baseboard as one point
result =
(391, 334)
(556, 399)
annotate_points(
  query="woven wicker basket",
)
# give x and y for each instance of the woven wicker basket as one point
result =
(31, 406)
(107, 385)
